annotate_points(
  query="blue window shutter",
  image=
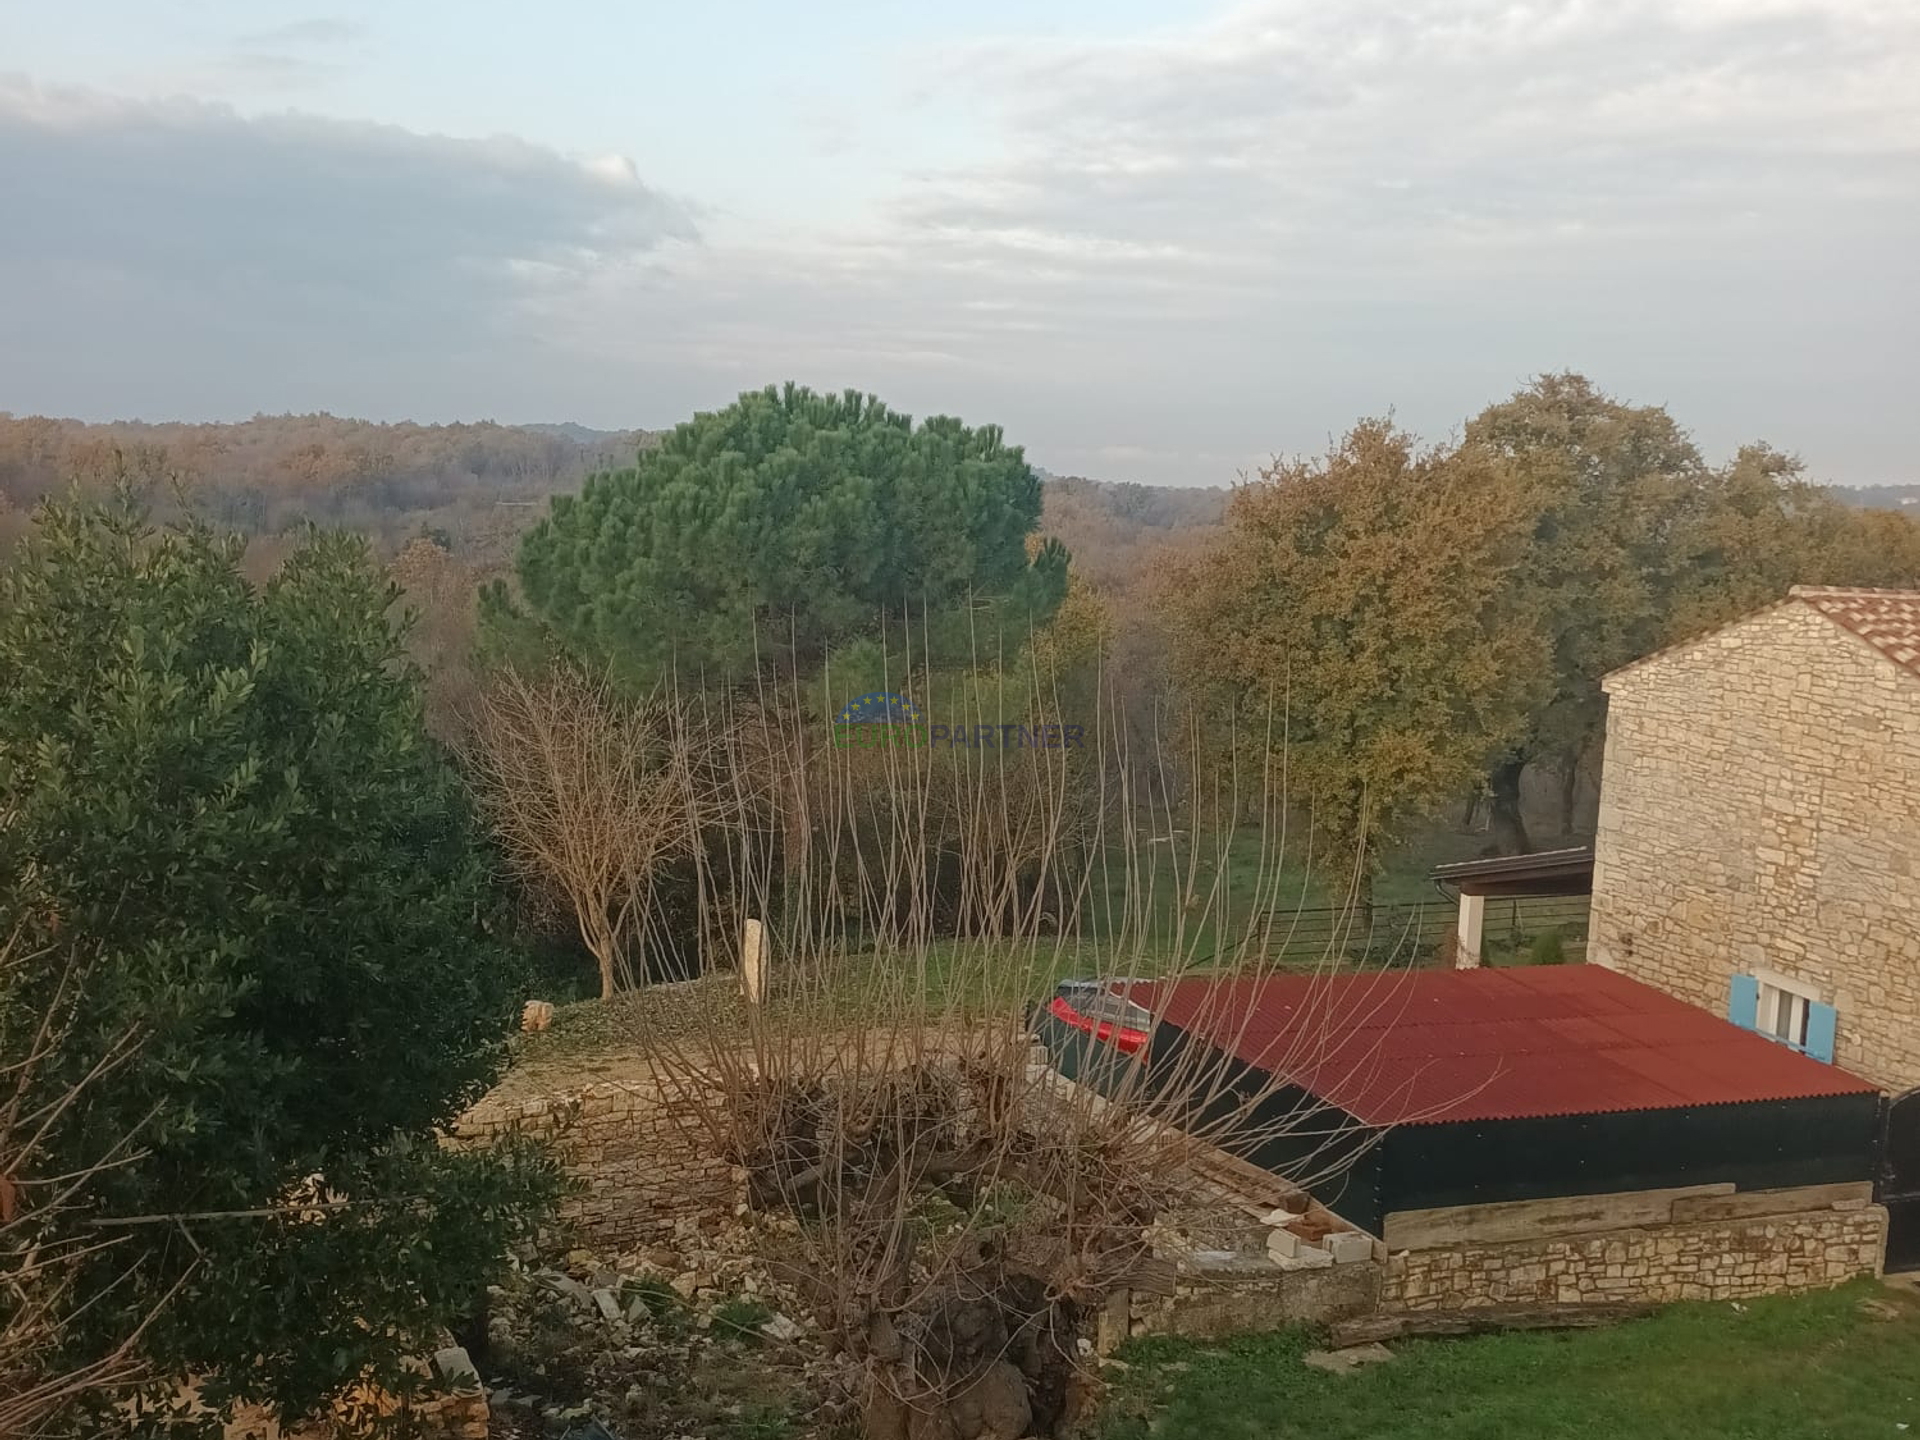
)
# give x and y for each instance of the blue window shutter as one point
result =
(1822, 1023)
(1743, 1002)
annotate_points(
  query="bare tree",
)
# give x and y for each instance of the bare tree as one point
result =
(956, 1211)
(591, 793)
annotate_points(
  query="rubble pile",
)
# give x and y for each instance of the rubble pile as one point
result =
(692, 1337)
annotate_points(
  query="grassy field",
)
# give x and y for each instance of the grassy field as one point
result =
(1189, 916)
(1818, 1367)
(1164, 880)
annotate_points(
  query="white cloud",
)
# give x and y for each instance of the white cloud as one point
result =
(1213, 242)
(180, 250)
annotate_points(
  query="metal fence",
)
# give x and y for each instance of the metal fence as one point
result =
(1420, 933)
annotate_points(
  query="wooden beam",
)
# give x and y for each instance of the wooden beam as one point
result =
(1371, 1329)
(1506, 1221)
(1541, 887)
(1750, 1204)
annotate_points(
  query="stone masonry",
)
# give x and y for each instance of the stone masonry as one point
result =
(633, 1146)
(1709, 1260)
(1760, 812)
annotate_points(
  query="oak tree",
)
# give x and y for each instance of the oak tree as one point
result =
(1365, 600)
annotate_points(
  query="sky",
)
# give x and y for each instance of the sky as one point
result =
(1156, 242)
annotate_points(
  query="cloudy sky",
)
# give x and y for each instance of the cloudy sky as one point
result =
(1155, 241)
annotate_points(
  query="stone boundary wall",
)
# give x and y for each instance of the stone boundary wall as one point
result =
(1216, 1297)
(1727, 1259)
(635, 1148)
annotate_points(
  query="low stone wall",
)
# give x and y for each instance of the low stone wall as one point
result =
(1704, 1260)
(1214, 1297)
(633, 1145)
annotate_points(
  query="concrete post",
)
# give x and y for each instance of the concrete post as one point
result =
(753, 962)
(1473, 918)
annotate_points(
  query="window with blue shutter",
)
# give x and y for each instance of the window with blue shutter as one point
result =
(1822, 1025)
(1743, 1001)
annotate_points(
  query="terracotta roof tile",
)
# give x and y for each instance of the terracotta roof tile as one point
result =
(1888, 620)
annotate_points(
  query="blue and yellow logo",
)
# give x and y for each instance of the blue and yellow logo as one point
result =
(886, 720)
(879, 707)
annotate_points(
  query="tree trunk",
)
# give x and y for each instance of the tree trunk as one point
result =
(1569, 794)
(1360, 931)
(599, 939)
(1509, 826)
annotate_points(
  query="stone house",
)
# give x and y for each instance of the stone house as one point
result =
(1758, 845)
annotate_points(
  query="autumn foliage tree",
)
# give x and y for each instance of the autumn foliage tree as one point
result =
(1610, 482)
(1362, 609)
(1636, 541)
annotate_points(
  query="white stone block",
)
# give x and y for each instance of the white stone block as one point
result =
(1350, 1247)
(753, 961)
(1283, 1244)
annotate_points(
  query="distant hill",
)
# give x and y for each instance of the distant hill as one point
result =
(1905, 498)
(473, 486)
(584, 435)
(1117, 532)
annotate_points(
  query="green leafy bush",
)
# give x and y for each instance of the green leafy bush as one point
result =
(225, 797)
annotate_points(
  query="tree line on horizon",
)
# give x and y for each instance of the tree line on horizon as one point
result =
(1631, 538)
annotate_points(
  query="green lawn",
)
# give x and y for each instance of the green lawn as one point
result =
(1785, 1368)
(1176, 900)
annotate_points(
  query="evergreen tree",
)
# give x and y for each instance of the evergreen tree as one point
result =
(783, 525)
(220, 805)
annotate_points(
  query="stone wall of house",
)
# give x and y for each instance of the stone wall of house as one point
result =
(1760, 812)
(636, 1148)
(1707, 1260)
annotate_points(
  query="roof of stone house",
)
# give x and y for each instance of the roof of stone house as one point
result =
(1888, 620)
(1431, 1046)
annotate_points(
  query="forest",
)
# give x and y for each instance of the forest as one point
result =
(1622, 537)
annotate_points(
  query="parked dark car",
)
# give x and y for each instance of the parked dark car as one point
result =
(1100, 1009)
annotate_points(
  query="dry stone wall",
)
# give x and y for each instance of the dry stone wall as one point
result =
(1217, 1296)
(635, 1148)
(1760, 812)
(1709, 1260)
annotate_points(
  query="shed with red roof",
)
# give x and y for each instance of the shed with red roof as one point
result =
(1387, 1091)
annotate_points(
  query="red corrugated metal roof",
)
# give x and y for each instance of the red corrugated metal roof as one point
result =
(1398, 1047)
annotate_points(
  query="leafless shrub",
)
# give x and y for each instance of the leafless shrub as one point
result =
(957, 1212)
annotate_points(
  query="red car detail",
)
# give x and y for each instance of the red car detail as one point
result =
(1124, 1038)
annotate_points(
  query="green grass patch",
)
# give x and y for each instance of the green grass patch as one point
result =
(1812, 1367)
(740, 1318)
